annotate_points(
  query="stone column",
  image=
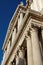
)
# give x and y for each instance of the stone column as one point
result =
(35, 47)
(29, 51)
(42, 41)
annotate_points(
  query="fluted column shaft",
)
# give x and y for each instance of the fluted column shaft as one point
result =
(29, 51)
(36, 49)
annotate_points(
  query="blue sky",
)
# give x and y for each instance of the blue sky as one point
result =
(7, 8)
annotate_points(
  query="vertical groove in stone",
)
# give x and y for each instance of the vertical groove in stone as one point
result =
(35, 46)
(29, 51)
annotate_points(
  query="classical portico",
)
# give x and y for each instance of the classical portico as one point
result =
(23, 43)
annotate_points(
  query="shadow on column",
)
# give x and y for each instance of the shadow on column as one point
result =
(41, 42)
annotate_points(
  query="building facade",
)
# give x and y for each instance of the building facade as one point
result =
(23, 44)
